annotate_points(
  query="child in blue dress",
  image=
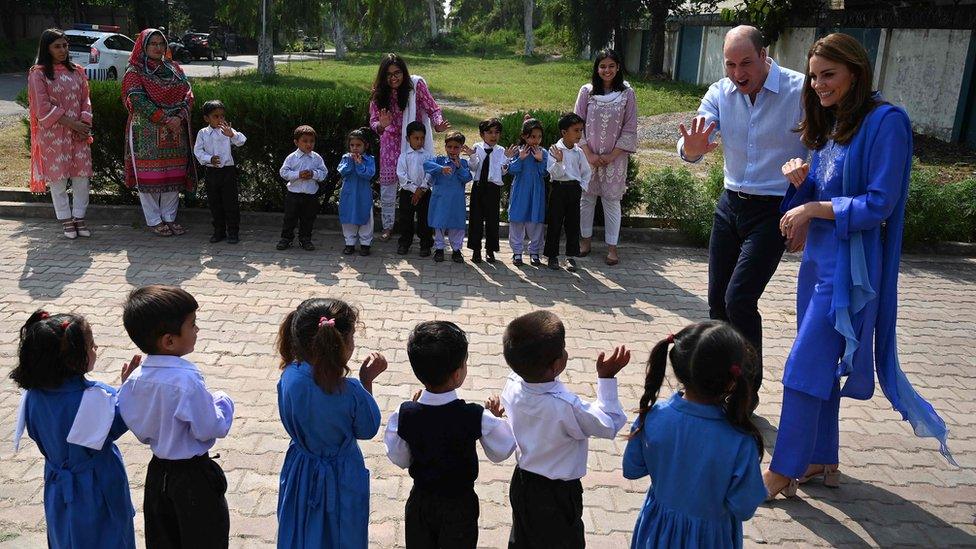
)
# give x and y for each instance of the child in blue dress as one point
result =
(699, 447)
(527, 203)
(446, 216)
(323, 492)
(75, 423)
(356, 197)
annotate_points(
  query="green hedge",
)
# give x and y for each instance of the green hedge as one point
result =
(934, 212)
(266, 115)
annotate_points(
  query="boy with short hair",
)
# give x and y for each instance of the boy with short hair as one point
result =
(551, 427)
(166, 404)
(447, 210)
(434, 436)
(570, 174)
(213, 150)
(487, 161)
(303, 169)
(414, 194)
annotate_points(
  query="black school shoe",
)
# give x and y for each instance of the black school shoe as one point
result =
(233, 239)
(554, 263)
(475, 256)
(307, 245)
(363, 250)
(403, 250)
(217, 237)
(490, 256)
(534, 259)
(283, 244)
(424, 252)
(457, 257)
(349, 250)
(517, 260)
(571, 265)
(438, 255)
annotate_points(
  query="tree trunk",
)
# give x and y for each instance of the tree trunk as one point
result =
(338, 33)
(528, 6)
(266, 43)
(655, 57)
(432, 6)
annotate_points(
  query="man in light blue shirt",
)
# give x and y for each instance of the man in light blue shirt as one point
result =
(756, 108)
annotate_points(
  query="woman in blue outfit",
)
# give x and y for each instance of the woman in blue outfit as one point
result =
(447, 211)
(323, 493)
(850, 201)
(74, 422)
(356, 197)
(699, 447)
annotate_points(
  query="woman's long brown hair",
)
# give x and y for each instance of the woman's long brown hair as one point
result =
(841, 121)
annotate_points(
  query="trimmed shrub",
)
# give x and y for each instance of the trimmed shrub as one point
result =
(938, 212)
(267, 115)
(687, 200)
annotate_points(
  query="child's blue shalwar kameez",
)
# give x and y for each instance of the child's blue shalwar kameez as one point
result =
(356, 195)
(447, 208)
(86, 492)
(705, 477)
(323, 492)
(527, 203)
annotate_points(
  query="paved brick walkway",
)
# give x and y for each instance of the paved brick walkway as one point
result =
(896, 488)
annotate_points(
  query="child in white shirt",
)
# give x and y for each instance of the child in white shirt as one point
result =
(414, 195)
(303, 169)
(213, 150)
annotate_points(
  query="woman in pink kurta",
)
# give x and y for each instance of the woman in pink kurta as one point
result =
(397, 96)
(609, 106)
(60, 124)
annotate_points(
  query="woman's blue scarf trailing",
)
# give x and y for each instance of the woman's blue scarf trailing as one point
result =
(852, 288)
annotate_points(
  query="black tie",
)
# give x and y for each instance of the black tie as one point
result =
(485, 165)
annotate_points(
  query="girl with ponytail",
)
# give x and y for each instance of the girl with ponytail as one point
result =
(323, 498)
(699, 446)
(75, 423)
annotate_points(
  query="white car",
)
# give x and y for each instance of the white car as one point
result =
(103, 52)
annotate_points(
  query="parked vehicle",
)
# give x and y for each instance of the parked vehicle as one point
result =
(100, 49)
(180, 53)
(204, 45)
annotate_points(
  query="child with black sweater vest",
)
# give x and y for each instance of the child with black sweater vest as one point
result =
(434, 436)
(551, 427)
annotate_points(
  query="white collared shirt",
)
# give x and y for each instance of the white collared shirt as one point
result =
(410, 170)
(297, 162)
(573, 167)
(166, 404)
(757, 138)
(212, 142)
(496, 434)
(552, 425)
(495, 169)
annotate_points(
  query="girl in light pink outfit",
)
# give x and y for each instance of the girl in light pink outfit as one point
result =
(397, 100)
(60, 124)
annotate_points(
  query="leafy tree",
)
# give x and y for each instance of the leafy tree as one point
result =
(772, 17)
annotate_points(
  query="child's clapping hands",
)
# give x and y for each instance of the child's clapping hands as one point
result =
(305, 174)
(467, 150)
(556, 153)
(607, 368)
(373, 366)
(494, 405)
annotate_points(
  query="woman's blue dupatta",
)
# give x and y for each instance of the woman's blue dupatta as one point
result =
(852, 287)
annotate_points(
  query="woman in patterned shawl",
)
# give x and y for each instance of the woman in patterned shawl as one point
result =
(158, 162)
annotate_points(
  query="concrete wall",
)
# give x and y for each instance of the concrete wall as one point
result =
(633, 51)
(922, 71)
(712, 64)
(791, 49)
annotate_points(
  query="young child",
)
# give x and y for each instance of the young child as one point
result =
(304, 169)
(356, 197)
(570, 177)
(446, 215)
(213, 151)
(414, 192)
(75, 423)
(167, 405)
(527, 202)
(699, 447)
(551, 427)
(487, 161)
(323, 497)
(434, 436)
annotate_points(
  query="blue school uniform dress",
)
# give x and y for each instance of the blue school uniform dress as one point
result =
(323, 496)
(86, 491)
(447, 208)
(705, 477)
(356, 196)
(527, 203)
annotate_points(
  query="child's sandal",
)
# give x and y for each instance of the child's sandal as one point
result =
(82, 229)
(161, 230)
(70, 232)
(176, 228)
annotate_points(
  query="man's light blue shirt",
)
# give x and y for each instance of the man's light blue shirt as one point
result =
(757, 138)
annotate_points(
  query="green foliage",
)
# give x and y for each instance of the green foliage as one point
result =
(19, 56)
(938, 212)
(772, 17)
(267, 115)
(687, 200)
